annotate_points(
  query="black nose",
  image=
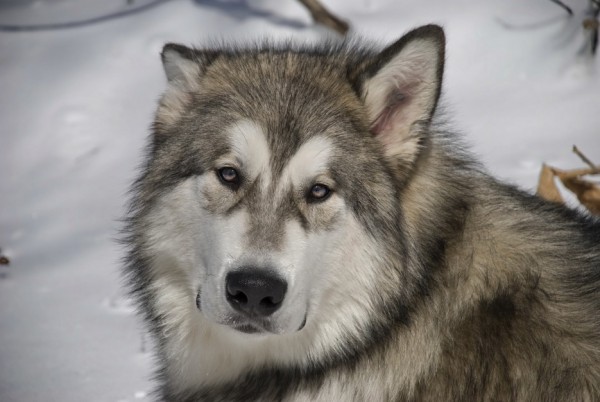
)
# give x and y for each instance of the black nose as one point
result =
(256, 292)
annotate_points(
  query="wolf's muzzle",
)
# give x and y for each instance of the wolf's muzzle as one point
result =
(256, 292)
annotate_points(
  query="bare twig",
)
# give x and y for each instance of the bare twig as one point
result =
(563, 6)
(546, 187)
(322, 16)
(568, 174)
(590, 23)
(587, 193)
(81, 23)
(583, 157)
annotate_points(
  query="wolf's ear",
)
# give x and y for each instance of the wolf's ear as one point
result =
(401, 88)
(179, 64)
(183, 67)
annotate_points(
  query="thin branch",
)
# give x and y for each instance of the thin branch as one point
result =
(591, 24)
(80, 23)
(546, 187)
(563, 6)
(583, 157)
(568, 174)
(322, 16)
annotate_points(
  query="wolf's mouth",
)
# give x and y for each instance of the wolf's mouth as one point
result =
(245, 327)
(248, 327)
(198, 302)
(303, 323)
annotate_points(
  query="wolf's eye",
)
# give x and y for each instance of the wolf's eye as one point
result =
(318, 192)
(228, 176)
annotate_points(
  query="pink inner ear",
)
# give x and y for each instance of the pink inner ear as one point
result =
(383, 128)
(381, 121)
(390, 116)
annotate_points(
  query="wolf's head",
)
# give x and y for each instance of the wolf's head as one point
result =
(268, 220)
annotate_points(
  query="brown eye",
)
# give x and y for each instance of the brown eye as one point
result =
(228, 176)
(318, 192)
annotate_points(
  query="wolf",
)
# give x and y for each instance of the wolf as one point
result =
(307, 228)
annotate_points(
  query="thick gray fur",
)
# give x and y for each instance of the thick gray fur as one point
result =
(483, 291)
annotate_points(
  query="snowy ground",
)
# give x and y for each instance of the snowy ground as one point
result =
(76, 104)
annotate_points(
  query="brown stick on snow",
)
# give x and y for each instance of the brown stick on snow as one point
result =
(321, 15)
(567, 174)
(583, 157)
(587, 193)
(546, 187)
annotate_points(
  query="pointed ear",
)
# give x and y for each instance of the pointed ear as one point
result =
(179, 64)
(401, 90)
(183, 67)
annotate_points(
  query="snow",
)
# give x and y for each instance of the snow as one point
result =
(76, 105)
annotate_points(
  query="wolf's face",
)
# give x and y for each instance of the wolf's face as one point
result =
(272, 216)
(271, 227)
(274, 184)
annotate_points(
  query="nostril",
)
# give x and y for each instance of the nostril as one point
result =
(239, 297)
(268, 302)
